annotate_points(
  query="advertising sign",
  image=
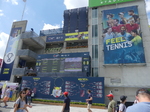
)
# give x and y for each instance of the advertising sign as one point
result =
(95, 3)
(122, 36)
(10, 53)
(53, 88)
(67, 37)
(55, 38)
(76, 36)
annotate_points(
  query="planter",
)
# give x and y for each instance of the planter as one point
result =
(72, 105)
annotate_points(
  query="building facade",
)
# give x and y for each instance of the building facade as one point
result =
(112, 39)
(122, 77)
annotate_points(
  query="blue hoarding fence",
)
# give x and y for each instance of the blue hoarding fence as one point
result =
(53, 87)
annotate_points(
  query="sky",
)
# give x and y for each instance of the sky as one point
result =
(41, 15)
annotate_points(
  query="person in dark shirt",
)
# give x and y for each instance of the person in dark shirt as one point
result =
(66, 105)
(89, 101)
(26, 100)
(134, 16)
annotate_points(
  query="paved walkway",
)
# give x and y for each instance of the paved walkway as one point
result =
(54, 108)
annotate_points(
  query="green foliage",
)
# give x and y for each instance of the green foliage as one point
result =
(80, 103)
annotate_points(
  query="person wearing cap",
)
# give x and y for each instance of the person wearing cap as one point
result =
(89, 101)
(112, 103)
(143, 98)
(66, 105)
(122, 107)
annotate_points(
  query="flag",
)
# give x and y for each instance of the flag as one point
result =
(24, 0)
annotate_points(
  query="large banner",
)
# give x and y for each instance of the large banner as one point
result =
(68, 37)
(122, 36)
(53, 88)
(95, 3)
(10, 53)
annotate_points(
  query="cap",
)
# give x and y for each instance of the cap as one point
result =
(123, 98)
(65, 93)
(121, 13)
(110, 95)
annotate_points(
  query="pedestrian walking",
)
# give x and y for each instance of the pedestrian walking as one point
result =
(26, 100)
(6, 97)
(143, 98)
(112, 103)
(29, 97)
(11, 94)
(0, 95)
(20, 104)
(66, 105)
(89, 101)
(122, 107)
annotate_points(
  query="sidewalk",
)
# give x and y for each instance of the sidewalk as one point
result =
(54, 108)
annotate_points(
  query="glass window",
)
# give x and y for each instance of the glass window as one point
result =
(94, 13)
(94, 51)
(95, 72)
(94, 31)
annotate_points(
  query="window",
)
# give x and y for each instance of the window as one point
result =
(94, 51)
(94, 13)
(94, 31)
(95, 72)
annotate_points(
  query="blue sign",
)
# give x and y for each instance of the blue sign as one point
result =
(10, 53)
(55, 38)
(53, 88)
(122, 36)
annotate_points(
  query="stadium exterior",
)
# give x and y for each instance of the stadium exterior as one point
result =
(121, 77)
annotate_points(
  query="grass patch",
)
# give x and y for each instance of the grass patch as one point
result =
(79, 103)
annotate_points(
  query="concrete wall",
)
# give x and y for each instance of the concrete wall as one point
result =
(128, 77)
(15, 25)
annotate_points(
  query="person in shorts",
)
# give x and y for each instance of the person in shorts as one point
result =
(6, 97)
(89, 101)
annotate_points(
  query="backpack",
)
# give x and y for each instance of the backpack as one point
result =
(117, 108)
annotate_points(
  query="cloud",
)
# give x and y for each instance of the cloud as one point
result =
(49, 26)
(14, 2)
(3, 42)
(1, 13)
(14, 20)
(70, 4)
(147, 5)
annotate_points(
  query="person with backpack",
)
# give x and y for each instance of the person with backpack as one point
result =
(112, 103)
(122, 107)
(20, 104)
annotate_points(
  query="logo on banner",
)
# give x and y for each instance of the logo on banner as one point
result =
(9, 58)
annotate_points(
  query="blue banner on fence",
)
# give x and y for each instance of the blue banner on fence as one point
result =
(122, 36)
(52, 88)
